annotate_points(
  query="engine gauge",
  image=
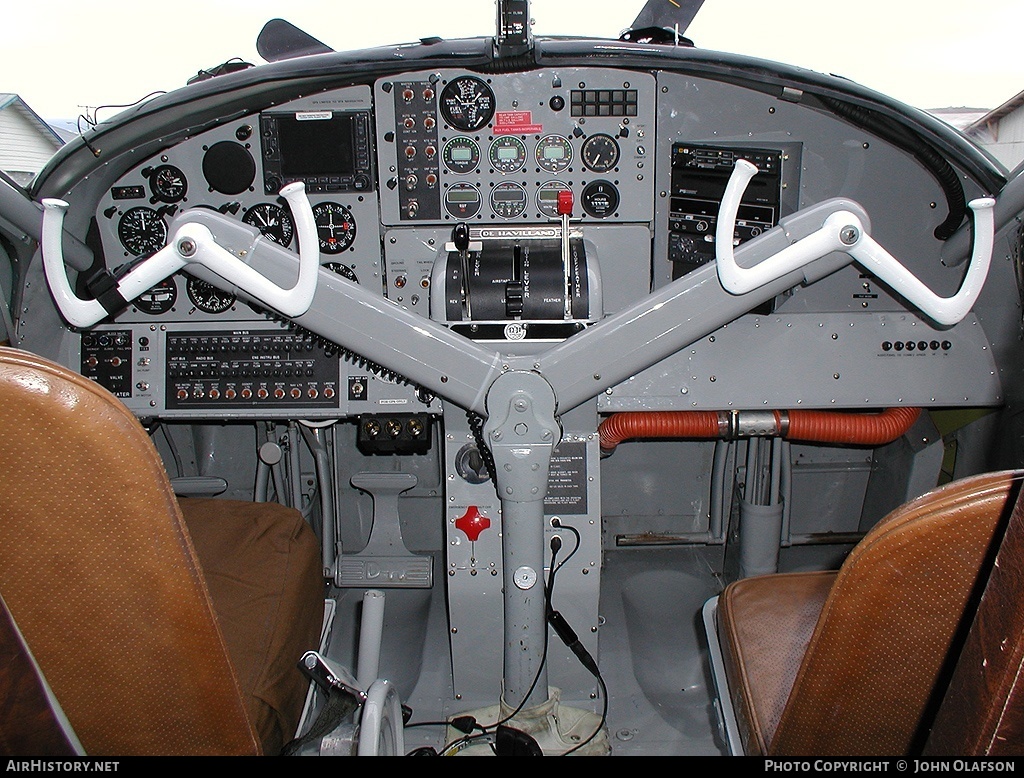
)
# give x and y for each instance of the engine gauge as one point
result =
(208, 298)
(168, 183)
(554, 153)
(508, 200)
(335, 227)
(141, 230)
(507, 154)
(159, 299)
(466, 103)
(600, 153)
(462, 200)
(461, 154)
(547, 197)
(272, 221)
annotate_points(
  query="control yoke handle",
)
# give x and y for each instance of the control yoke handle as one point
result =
(191, 243)
(843, 231)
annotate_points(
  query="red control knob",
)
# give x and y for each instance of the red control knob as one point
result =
(565, 202)
(472, 523)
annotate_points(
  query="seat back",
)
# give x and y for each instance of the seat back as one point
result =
(988, 681)
(881, 643)
(100, 575)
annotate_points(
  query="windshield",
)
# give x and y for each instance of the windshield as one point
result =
(931, 55)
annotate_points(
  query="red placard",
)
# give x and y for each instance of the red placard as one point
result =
(515, 123)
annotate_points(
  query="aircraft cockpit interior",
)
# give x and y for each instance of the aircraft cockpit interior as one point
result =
(569, 372)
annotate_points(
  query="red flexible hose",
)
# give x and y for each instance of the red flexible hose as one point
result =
(872, 429)
(658, 424)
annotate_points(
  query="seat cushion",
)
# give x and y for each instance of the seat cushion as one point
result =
(269, 606)
(766, 623)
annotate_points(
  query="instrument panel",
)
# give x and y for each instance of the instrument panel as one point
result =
(237, 170)
(462, 147)
(458, 195)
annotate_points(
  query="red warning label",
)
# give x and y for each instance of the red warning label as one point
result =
(515, 123)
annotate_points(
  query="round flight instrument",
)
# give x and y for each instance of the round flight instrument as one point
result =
(462, 200)
(508, 199)
(600, 199)
(141, 230)
(554, 153)
(342, 270)
(159, 299)
(335, 227)
(461, 154)
(600, 153)
(208, 298)
(507, 154)
(466, 103)
(547, 197)
(168, 183)
(272, 221)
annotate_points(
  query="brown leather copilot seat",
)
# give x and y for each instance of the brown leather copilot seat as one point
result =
(161, 626)
(847, 663)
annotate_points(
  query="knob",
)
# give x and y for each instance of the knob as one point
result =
(472, 523)
(460, 237)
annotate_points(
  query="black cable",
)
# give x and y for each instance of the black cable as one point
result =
(556, 543)
(924, 152)
(568, 636)
(476, 426)
(576, 534)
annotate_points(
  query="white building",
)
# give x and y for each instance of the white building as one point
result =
(26, 141)
(1001, 131)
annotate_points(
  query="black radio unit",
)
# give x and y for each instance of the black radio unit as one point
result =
(329, 151)
(699, 177)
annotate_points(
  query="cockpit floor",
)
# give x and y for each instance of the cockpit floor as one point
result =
(652, 653)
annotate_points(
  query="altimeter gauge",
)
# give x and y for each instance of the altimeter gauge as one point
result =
(272, 221)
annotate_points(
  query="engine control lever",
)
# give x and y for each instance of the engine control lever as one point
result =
(191, 242)
(564, 208)
(843, 231)
(460, 239)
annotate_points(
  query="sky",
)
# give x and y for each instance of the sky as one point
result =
(65, 57)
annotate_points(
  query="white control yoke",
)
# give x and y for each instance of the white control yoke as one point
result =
(843, 231)
(191, 243)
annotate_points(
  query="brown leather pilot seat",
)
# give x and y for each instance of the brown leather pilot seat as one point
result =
(161, 626)
(845, 663)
